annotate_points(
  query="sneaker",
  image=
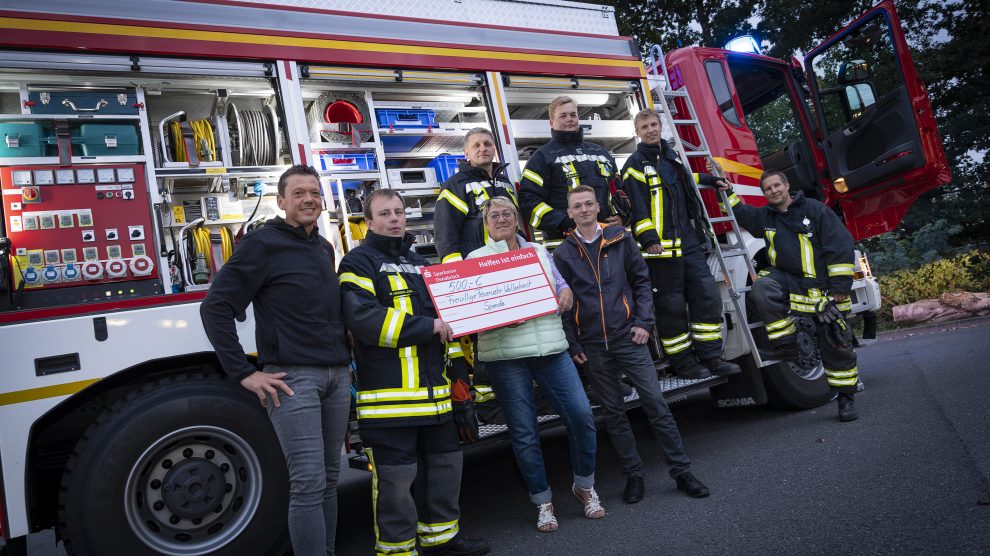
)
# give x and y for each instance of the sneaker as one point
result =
(634, 490)
(692, 372)
(847, 408)
(459, 546)
(721, 367)
(589, 498)
(691, 486)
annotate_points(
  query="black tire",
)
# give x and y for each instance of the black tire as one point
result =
(151, 473)
(799, 385)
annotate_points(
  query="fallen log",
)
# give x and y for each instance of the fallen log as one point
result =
(949, 306)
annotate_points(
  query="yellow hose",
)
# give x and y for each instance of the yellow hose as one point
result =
(202, 131)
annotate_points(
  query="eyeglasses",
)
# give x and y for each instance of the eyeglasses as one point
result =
(504, 215)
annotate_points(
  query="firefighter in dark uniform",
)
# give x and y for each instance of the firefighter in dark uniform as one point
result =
(564, 163)
(458, 226)
(409, 412)
(810, 256)
(673, 231)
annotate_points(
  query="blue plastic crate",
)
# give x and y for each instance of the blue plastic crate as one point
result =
(445, 165)
(406, 118)
(347, 161)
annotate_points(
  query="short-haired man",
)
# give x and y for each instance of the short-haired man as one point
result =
(810, 253)
(404, 398)
(673, 229)
(458, 226)
(608, 329)
(564, 163)
(286, 270)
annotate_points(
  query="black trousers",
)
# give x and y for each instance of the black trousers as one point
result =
(415, 485)
(688, 307)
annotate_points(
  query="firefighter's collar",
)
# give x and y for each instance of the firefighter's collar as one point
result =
(568, 136)
(392, 246)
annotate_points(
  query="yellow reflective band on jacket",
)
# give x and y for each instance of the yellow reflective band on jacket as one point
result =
(483, 393)
(552, 243)
(604, 169)
(457, 203)
(841, 269)
(391, 328)
(848, 377)
(642, 226)
(438, 407)
(771, 250)
(697, 177)
(454, 349)
(434, 534)
(572, 175)
(656, 210)
(733, 201)
(401, 394)
(636, 174)
(539, 212)
(671, 249)
(359, 281)
(409, 355)
(676, 344)
(533, 177)
(845, 306)
(452, 257)
(807, 256)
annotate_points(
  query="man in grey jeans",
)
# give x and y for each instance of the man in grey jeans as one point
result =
(608, 328)
(286, 270)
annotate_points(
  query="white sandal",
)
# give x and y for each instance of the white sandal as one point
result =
(546, 522)
(592, 506)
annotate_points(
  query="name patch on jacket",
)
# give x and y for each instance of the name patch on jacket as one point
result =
(401, 293)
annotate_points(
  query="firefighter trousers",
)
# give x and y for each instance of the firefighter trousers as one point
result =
(683, 288)
(416, 473)
(771, 296)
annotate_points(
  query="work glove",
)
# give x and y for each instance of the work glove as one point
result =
(837, 331)
(464, 416)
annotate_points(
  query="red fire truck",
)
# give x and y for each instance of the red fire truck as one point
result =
(141, 140)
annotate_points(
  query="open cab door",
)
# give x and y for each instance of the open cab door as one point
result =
(879, 135)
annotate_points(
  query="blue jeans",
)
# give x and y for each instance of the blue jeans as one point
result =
(512, 380)
(310, 427)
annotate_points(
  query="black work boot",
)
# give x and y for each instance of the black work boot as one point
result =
(691, 486)
(693, 371)
(847, 408)
(721, 367)
(459, 546)
(634, 490)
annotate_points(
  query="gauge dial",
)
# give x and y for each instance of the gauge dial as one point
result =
(44, 177)
(125, 175)
(85, 175)
(22, 177)
(105, 175)
(63, 177)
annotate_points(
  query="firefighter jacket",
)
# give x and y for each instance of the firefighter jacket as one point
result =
(457, 223)
(808, 242)
(557, 167)
(401, 364)
(611, 285)
(665, 207)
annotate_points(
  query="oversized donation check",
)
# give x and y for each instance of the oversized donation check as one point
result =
(489, 292)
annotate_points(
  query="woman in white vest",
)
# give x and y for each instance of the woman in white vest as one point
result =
(536, 350)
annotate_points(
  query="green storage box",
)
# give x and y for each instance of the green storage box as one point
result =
(107, 140)
(23, 139)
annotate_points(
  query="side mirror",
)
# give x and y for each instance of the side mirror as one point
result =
(854, 71)
(858, 97)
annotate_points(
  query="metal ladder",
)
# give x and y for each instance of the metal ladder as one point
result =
(660, 83)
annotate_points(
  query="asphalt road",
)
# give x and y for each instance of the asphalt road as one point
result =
(911, 476)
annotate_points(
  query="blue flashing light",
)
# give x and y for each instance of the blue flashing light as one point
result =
(745, 43)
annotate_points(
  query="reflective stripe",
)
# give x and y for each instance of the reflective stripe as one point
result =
(807, 256)
(359, 281)
(408, 356)
(842, 378)
(697, 177)
(435, 527)
(571, 158)
(676, 344)
(843, 374)
(483, 393)
(771, 250)
(706, 326)
(452, 257)
(667, 254)
(656, 207)
(572, 175)
(538, 213)
(635, 174)
(845, 306)
(552, 243)
(457, 203)
(436, 539)
(404, 410)
(841, 269)
(706, 337)
(777, 325)
(706, 331)
(401, 394)
(643, 225)
(454, 350)
(533, 176)
(391, 328)
(802, 307)
(786, 331)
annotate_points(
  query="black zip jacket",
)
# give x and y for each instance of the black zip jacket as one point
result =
(401, 363)
(554, 169)
(654, 178)
(289, 277)
(457, 222)
(808, 241)
(611, 285)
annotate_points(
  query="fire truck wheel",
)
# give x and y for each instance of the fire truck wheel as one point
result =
(187, 465)
(801, 384)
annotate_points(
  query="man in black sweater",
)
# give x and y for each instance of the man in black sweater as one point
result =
(286, 270)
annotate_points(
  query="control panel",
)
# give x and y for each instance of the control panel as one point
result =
(78, 226)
